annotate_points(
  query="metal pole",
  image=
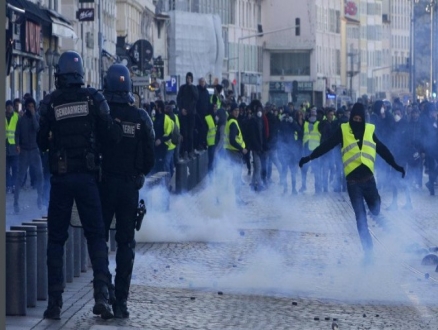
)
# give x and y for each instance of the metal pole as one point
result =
(77, 251)
(69, 256)
(84, 252)
(238, 68)
(15, 273)
(100, 41)
(42, 279)
(252, 36)
(412, 45)
(431, 50)
(31, 262)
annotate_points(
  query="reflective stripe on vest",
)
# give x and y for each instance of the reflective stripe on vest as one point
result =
(211, 135)
(168, 129)
(313, 137)
(352, 156)
(239, 137)
(11, 128)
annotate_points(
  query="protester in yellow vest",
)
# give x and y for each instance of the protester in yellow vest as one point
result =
(170, 120)
(359, 147)
(234, 147)
(210, 120)
(311, 139)
(11, 148)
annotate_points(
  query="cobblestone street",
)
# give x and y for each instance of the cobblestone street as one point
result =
(276, 262)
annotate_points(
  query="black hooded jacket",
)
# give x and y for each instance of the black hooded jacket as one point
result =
(187, 97)
(358, 130)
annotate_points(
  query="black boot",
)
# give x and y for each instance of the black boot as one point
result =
(101, 297)
(53, 310)
(120, 309)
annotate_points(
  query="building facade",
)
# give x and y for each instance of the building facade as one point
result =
(303, 61)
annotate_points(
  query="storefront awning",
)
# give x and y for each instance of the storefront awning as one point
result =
(33, 12)
(61, 27)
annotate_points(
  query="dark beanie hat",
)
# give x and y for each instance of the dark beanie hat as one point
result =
(28, 101)
(9, 102)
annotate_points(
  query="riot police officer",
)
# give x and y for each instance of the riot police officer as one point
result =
(73, 122)
(124, 168)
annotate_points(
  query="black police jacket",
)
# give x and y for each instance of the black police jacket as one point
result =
(73, 124)
(134, 154)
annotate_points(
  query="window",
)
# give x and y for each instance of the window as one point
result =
(297, 26)
(290, 64)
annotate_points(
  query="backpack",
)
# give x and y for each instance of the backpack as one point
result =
(174, 136)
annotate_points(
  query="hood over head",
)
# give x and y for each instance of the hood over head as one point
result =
(357, 127)
(377, 106)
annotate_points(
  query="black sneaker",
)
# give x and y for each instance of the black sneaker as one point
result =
(120, 309)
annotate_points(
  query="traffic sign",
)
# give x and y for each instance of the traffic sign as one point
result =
(172, 85)
(140, 81)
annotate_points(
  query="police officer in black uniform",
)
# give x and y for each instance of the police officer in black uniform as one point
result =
(73, 121)
(124, 168)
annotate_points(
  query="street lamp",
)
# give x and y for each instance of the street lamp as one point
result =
(430, 8)
(52, 58)
(260, 34)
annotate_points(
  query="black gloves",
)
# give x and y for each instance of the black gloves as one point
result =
(304, 160)
(401, 170)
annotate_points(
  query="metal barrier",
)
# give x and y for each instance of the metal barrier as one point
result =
(16, 273)
(31, 263)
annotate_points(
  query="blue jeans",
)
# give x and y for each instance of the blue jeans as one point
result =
(168, 164)
(32, 159)
(358, 192)
(11, 170)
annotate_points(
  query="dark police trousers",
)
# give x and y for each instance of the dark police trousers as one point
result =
(82, 188)
(119, 195)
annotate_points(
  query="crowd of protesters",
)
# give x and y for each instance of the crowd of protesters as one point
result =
(23, 158)
(278, 136)
(275, 136)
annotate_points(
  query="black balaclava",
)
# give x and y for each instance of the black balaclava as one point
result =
(357, 128)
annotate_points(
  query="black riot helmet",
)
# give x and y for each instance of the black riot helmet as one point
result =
(117, 85)
(69, 71)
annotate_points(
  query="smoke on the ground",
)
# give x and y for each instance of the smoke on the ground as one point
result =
(288, 245)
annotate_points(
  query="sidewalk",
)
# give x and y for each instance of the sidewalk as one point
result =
(279, 262)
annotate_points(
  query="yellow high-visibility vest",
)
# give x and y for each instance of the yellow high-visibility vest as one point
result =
(218, 101)
(168, 129)
(352, 156)
(239, 137)
(211, 135)
(313, 137)
(11, 128)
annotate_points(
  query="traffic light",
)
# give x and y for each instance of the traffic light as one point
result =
(159, 66)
